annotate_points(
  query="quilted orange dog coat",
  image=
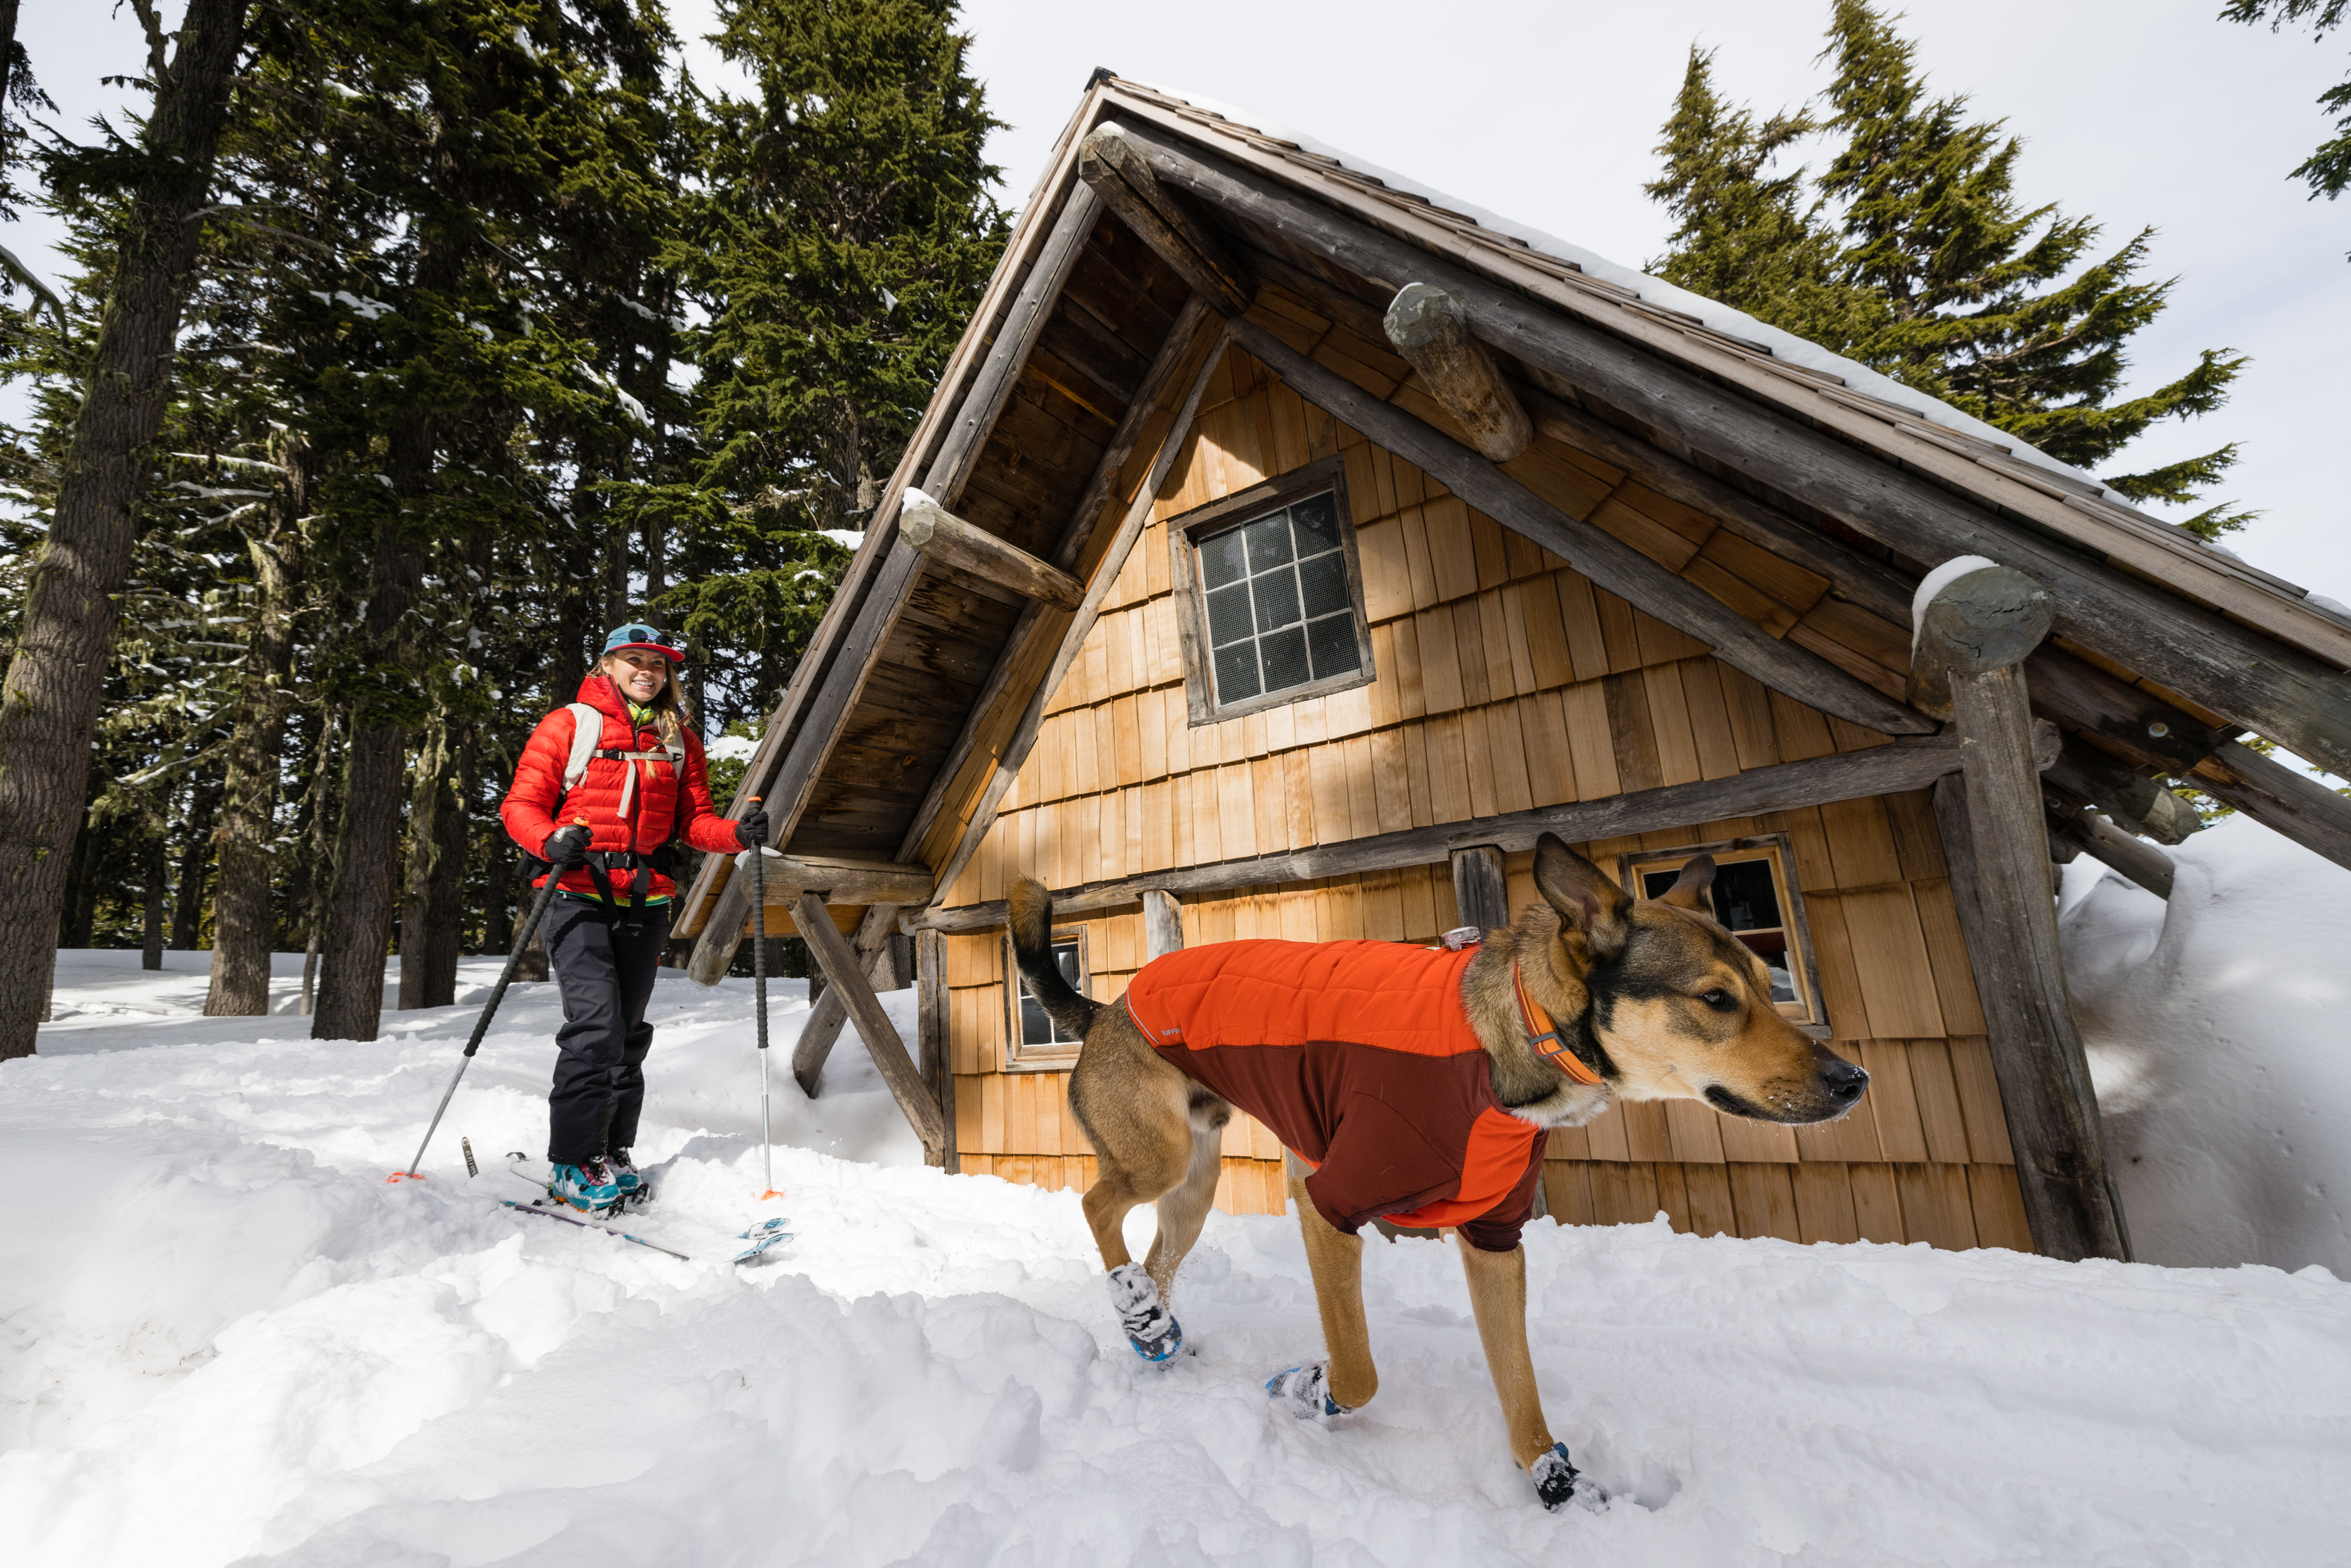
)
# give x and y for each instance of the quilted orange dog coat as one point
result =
(1359, 1057)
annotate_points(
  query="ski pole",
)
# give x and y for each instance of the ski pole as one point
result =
(759, 1002)
(482, 1024)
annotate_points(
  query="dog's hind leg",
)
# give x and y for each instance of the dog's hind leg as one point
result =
(1185, 1207)
(1336, 1260)
(1135, 1110)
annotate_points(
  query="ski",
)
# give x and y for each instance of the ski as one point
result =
(762, 1237)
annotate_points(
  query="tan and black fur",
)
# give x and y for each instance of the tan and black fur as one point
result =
(1660, 999)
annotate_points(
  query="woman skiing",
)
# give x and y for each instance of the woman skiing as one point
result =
(602, 788)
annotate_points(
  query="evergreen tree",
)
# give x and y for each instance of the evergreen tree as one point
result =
(847, 235)
(2328, 170)
(1917, 259)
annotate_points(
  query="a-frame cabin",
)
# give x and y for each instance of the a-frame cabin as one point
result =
(1284, 552)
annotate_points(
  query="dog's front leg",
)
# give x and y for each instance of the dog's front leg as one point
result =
(1497, 1295)
(1337, 1262)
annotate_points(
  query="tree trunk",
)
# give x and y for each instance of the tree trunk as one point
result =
(150, 947)
(430, 904)
(50, 701)
(497, 902)
(195, 861)
(242, 928)
(357, 922)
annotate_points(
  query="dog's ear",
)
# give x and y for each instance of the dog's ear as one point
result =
(1589, 901)
(1688, 891)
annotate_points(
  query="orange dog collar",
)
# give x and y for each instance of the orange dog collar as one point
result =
(1544, 1036)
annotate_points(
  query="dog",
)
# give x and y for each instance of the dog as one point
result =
(1429, 1101)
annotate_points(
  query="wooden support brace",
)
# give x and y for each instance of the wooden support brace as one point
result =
(847, 978)
(1163, 923)
(1122, 177)
(951, 542)
(826, 1014)
(2141, 862)
(1996, 838)
(2137, 804)
(1431, 330)
(1481, 888)
(844, 883)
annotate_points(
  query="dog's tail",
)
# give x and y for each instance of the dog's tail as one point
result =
(1031, 909)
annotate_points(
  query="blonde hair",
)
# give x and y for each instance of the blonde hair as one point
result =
(670, 714)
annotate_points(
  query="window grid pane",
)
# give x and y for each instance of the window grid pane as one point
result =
(1278, 613)
(1036, 1025)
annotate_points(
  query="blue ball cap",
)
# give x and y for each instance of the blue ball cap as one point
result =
(637, 634)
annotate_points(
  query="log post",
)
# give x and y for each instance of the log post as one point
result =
(847, 979)
(1163, 923)
(952, 542)
(1431, 330)
(1972, 638)
(1119, 174)
(936, 1067)
(1480, 887)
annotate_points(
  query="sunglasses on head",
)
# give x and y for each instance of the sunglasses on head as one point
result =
(648, 634)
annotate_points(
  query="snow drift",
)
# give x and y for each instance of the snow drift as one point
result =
(224, 1338)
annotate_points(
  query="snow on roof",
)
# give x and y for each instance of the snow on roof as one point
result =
(1718, 317)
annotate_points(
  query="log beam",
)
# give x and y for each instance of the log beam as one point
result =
(1988, 619)
(846, 976)
(843, 881)
(1431, 330)
(2137, 804)
(2008, 914)
(2277, 796)
(952, 542)
(1608, 562)
(1481, 888)
(1784, 787)
(2086, 830)
(1110, 165)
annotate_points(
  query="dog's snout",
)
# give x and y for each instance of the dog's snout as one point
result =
(1844, 1080)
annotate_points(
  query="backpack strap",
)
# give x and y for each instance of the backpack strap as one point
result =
(587, 730)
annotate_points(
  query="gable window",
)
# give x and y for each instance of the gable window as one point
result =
(1035, 1040)
(1273, 598)
(1755, 896)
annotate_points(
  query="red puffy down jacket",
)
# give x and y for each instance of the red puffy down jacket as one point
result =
(537, 804)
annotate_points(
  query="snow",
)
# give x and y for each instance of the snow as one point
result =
(224, 1337)
(731, 749)
(847, 539)
(1934, 582)
(2216, 1033)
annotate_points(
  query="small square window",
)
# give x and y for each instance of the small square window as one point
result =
(1272, 603)
(1034, 1041)
(1754, 896)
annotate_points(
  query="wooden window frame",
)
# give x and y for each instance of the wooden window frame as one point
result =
(1019, 1056)
(1191, 614)
(1779, 851)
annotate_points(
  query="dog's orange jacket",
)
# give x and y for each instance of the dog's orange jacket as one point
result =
(1359, 1057)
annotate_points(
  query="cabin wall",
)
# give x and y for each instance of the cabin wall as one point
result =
(1504, 681)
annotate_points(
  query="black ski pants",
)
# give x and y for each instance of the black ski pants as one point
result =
(603, 961)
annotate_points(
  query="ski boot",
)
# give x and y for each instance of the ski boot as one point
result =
(1559, 1482)
(1150, 1327)
(1305, 1392)
(633, 1187)
(590, 1187)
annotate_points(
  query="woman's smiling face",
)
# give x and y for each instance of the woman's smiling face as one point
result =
(639, 673)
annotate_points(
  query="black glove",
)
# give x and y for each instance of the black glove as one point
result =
(566, 848)
(751, 828)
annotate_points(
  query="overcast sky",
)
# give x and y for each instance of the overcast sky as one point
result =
(2135, 111)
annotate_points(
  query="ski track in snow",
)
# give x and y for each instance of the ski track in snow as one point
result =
(225, 1338)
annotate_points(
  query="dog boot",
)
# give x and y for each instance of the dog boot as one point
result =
(1150, 1327)
(1305, 1391)
(1559, 1482)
